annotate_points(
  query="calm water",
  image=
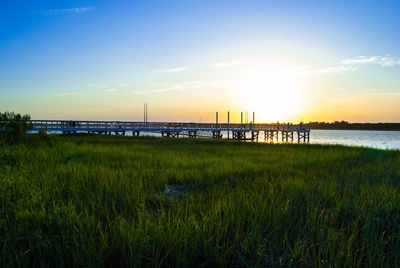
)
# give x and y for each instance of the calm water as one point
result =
(368, 138)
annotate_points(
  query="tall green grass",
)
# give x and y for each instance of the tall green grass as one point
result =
(98, 201)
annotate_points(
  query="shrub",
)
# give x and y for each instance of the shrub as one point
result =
(14, 126)
(44, 137)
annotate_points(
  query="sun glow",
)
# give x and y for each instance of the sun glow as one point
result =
(273, 94)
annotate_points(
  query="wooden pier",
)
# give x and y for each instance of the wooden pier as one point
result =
(236, 131)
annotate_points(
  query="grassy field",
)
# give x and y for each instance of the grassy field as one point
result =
(101, 201)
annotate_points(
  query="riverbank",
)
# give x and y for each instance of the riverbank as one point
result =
(134, 201)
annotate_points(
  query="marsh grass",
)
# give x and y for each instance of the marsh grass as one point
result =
(90, 200)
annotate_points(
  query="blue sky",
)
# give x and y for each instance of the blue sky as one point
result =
(330, 60)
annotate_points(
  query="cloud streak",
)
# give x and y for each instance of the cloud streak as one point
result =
(65, 11)
(181, 86)
(385, 61)
(66, 94)
(223, 64)
(307, 71)
(349, 65)
(174, 70)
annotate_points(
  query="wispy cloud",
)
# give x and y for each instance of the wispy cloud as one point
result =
(65, 11)
(349, 65)
(387, 61)
(307, 71)
(97, 86)
(161, 87)
(223, 64)
(66, 94)
(372, 95)
(174, 70)
(111, 90)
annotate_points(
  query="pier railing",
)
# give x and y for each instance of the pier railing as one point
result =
(74, 125)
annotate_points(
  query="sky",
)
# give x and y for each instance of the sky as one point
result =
(284, 60)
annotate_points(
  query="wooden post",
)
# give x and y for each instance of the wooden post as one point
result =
(228, 125)
(253, 119)
(241, 119)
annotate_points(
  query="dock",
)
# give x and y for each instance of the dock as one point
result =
(273, 132)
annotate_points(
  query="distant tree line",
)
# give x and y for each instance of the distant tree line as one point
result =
(344, 125)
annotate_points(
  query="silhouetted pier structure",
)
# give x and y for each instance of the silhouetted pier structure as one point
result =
(236, 131)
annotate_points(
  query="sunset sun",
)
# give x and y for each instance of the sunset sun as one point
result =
(273, 95)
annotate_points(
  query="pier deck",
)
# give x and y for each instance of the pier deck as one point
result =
(271, 131)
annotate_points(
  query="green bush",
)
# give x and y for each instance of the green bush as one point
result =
(43, 137)
(14, 126)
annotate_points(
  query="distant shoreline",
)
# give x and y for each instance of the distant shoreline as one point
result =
(343, 125)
